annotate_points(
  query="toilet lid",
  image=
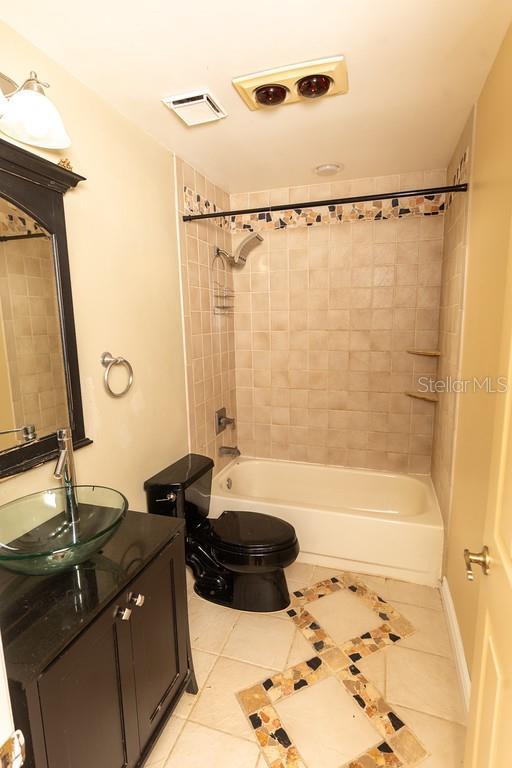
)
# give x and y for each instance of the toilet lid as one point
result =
(251, 530)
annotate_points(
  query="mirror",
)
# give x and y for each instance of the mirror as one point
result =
(39, 375)
(32, 377)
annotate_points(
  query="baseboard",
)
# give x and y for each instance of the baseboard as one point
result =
(456, 640)
(370, 569)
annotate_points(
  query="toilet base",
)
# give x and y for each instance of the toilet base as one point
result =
(256, 592)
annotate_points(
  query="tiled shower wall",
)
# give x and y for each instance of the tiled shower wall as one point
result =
(450, 320)
(209, 338)
(32, 334)
(324, 316)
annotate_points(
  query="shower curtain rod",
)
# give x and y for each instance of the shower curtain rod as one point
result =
(335, 201)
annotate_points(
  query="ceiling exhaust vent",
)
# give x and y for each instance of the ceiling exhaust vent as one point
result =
(195, 107)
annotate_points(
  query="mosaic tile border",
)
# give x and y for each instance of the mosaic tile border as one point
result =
(13, 222)
(460, 175)
(461, 172)
(394, 627)
(400, 748)
(374, 210)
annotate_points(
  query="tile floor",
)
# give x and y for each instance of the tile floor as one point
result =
(234, 651)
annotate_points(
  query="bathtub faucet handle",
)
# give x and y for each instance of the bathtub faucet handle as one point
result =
(222, 420)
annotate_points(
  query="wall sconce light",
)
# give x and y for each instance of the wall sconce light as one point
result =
(28, 115)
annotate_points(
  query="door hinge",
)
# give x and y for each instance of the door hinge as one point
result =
(12, 752)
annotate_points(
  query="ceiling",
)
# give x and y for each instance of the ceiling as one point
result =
(415, 68)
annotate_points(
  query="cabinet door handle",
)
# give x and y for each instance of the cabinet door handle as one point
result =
(136, 599)
(124, 614)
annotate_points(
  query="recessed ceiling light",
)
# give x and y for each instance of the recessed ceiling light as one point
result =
(328, 169)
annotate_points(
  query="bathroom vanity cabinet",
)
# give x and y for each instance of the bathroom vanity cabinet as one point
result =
(98, 657)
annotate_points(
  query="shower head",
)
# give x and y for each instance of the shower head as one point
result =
(245, 247)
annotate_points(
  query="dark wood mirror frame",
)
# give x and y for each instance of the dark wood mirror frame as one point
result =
(37, 186)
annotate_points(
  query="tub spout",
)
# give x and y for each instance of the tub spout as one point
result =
(229, 450)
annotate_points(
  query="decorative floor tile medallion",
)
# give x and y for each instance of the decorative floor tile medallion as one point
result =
(399, 747)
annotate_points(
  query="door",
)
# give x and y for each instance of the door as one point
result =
(157, 599)
(488, 741)
(81, 700)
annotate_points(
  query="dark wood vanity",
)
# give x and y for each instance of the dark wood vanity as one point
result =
(98, 656)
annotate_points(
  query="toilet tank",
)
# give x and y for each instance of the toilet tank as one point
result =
(182, 489)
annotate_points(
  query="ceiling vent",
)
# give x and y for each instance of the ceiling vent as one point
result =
(195, 107)
(295, 82)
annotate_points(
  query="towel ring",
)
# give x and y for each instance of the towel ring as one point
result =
(108, 361)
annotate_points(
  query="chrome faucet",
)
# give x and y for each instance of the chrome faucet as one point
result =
(28, 432)
(65, 471)
(229, 450)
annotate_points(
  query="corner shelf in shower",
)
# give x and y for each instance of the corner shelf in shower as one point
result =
(223, 295)
(422, 396)
(425, 352)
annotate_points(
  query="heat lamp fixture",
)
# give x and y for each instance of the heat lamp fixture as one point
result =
(306, 81)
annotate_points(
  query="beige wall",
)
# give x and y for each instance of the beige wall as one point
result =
(124, 269)
(209, 337)
(324, 317)
(488, 240)
(450, 320)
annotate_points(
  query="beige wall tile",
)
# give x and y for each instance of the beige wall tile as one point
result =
(324, 317)
(32, 333)
(453, 253)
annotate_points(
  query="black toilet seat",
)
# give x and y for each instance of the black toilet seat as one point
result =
(251, 533)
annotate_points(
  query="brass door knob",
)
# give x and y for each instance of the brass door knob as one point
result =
(477, 558)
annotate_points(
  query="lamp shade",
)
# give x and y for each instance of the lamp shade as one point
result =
(30, 117)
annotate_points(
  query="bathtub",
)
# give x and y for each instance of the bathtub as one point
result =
(355, 519)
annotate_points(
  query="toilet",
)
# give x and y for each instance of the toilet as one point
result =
(238, 558)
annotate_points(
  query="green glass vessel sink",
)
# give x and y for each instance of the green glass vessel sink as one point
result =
(37, 535)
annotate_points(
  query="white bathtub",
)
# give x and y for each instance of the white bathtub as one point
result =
(356, 519)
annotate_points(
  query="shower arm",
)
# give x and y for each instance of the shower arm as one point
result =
(336, 201)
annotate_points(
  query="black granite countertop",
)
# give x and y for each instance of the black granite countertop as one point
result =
(41, 615)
